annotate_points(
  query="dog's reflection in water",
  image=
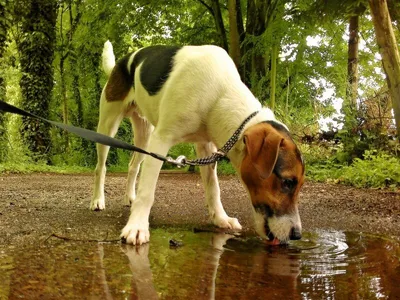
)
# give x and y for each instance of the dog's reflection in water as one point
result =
(142, 277)
(224, 272)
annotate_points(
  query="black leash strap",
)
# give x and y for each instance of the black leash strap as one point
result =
(93, 136)
(85, 133)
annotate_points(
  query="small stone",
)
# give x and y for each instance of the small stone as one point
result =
(175, 244)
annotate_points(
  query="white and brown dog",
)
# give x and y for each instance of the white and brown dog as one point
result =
(195, 94)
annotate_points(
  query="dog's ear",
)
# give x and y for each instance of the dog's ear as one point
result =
(263, 149)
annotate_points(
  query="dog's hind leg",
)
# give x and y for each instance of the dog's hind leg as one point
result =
(110, 117)
(210, 182)
(141, 133)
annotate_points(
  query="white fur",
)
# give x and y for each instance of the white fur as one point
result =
(108, 58)
(279, 226)
(282, 225)
(259, 222)
(204, 102)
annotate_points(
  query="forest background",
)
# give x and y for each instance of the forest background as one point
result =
(329, 69)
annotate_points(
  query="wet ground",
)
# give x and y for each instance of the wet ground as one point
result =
(324, 265)
(53, 247)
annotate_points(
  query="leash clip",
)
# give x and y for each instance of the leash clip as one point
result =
(220, 153)
(180, 161)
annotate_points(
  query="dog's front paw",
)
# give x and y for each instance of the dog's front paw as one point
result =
(136, 233)
(228, 223)
(97, 203)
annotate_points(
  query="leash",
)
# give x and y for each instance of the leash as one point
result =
(96, 137)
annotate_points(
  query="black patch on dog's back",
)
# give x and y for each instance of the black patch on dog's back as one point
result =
(156, 67)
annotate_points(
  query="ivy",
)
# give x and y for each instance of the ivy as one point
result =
(36, 48)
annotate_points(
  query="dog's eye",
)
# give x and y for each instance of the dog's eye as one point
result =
(288, 184)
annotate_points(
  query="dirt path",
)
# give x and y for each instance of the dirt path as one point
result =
(32, 207)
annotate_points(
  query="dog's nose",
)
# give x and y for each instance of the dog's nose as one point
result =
(295, 234)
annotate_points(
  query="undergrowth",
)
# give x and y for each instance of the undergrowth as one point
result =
(25, 168)
(375, 170)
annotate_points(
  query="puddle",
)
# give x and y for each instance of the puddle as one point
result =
(324, 265)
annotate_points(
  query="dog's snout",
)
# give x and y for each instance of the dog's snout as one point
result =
(295, 234)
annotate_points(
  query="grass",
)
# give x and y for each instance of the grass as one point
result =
(26, 168)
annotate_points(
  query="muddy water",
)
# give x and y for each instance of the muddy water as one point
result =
(324, 265)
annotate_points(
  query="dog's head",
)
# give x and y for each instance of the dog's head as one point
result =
(273, 171)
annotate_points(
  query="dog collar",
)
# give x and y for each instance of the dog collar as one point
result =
(216, 156)
(235, 137)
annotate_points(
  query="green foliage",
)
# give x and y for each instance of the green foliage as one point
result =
(225, 168)
(28, 166)
(49, 66)
(375, 170)
(36, 45)
(185, 149)
(4, 26)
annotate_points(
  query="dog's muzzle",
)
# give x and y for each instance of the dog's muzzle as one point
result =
(295, 234)
(283, 227)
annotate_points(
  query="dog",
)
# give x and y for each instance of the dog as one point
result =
(194, 94)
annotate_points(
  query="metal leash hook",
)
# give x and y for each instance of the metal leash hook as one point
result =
(180, 161)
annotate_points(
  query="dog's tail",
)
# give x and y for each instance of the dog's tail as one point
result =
(108, 58)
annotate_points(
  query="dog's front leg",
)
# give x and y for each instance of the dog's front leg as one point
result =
(213, 198)
(136, 231)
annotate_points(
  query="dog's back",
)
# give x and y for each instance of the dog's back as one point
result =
(166, 78)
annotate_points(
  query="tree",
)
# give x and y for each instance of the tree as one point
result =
(234, 35)
(352, 56)
(215, 11)
(65, 46)
(4, 25)
(36, 47)
(390, 54)
(394, 11)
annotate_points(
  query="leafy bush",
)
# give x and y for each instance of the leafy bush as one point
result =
(375, 170)
(225, 168)
(185, 149)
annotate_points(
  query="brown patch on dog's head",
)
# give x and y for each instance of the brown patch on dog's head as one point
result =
(273, 172)
(120, 81)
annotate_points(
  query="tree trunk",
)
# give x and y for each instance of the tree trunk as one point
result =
(36, 49)
(390, 54)
(76, 95)
(352, 63)
(78, 100)
(274, 60)
(63, 57)
(63, 92)
(239, 19)
(234, 37)
(219, 23)
(255, 26)
(394, 11)
(4, 25)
